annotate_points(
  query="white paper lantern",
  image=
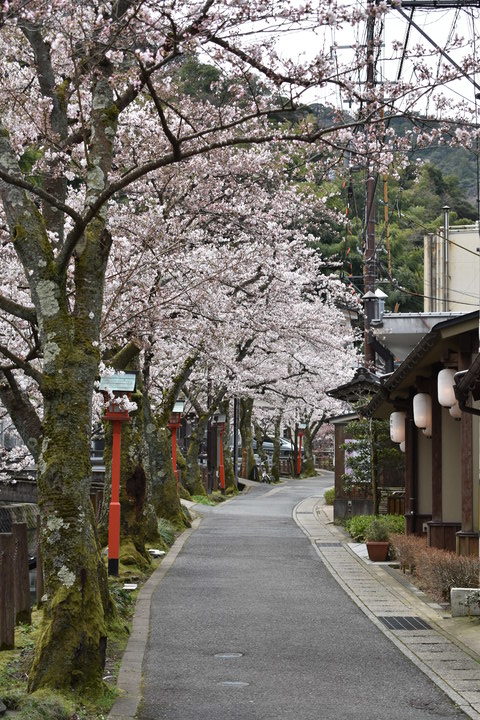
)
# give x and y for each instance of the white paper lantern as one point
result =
(397, 427)
(402, 446)
(422, 410)
(446, 393)
(455, 411)
(427, 432)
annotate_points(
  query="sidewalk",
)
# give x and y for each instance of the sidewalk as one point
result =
(446, 649)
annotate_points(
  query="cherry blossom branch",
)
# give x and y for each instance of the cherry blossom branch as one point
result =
(173, 140)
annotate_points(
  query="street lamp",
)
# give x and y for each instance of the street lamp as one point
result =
(220, 421)
(174, 424)
(115, 388)
(301, 427)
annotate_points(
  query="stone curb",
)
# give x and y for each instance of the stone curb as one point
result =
(129, 680)
(315, 524)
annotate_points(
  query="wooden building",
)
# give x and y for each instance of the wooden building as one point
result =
(442, 460)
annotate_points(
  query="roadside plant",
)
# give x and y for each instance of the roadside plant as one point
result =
(377, 531)
(329, 496)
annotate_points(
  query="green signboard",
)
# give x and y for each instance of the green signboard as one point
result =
(119, 382)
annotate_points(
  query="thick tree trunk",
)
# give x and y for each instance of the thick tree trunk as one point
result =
(71, 647)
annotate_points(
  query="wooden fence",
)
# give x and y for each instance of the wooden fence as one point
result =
(15, 604)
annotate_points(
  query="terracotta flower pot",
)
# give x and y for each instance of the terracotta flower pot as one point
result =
(378, 551)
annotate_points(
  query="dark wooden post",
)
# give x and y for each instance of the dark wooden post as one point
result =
(39, 572)
(411, 472)
(339, 459)
(23, 613)
(467, 539)
(7, 601)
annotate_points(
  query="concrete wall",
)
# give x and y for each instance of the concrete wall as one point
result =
(459, 291)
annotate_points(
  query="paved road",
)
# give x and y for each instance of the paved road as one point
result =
(248, 581)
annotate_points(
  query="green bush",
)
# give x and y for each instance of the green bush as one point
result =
(166, 530)
(377, 530)
(329, 496)
(358, 525)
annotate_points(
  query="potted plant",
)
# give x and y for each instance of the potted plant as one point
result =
(377, 540)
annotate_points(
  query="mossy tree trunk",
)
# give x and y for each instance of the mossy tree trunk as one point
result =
(246, 435)
(165, 494)
(193, 474)
(70, 648)
(259, 435)
(311, 432)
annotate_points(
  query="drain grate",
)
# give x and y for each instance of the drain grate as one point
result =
(404, 623)
(329, 544)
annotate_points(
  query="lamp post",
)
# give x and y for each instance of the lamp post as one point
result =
(174, 424)
(300, 432)
(220, 421)
(117, 385)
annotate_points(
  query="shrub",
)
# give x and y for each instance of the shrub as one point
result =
(377, 530)
(357, 525)
(406, 549)
(436, 571)
(329, 496)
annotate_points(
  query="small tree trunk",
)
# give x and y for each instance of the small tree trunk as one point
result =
(193, 475)
(246, 434)
(309, 460)
(277, 445)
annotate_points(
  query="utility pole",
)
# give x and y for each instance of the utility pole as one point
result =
(369, 243)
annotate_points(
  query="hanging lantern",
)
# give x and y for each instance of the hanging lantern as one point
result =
(428, 431)
(397, 427)
(446, 382)
(422, 410)
(402, 446)
(455, 411)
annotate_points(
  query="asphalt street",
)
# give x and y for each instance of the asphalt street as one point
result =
(249, 625)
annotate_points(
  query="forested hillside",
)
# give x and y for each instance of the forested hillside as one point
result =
(415, 203)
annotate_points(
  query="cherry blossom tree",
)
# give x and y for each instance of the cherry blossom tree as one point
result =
(93, 119)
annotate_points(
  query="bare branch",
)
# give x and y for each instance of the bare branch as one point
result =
(19, 311)
(22, 364)
(39, 192)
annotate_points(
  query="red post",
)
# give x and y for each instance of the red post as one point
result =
(299, 453)
(221, 466)
(173, 427)
(114, 510)
(116, 418)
